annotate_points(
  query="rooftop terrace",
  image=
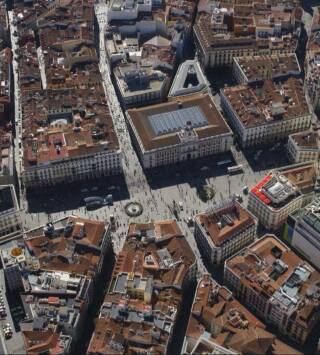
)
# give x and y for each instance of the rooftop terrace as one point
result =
(268, 103)
(232, 326)
(72, 245)
(268, 266)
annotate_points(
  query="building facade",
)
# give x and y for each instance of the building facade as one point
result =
(281, 192)
(305, 237)
(84, 167)
(312, 82)
(273, 199)
(13, 259)
(126, 10)
(10, 218)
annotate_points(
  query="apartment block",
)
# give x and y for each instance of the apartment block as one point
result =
(266, 113)
(73, 245)
(77, 142)
(223, 230)
(282, 192)
(224, 30)
(304, 146)
(184, 128)
(53, 271)
(161, 29)
(47, 313)
(67, 129)
(57, 302)
(219, 324)
(254, 69)
(6, 102)
(46, 341)
(128, 9)
(277, 285)
(152, 272)
(4, 26)
(144, 42)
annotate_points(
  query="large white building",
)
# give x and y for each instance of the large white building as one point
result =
(266, 113)
(183, 129)
(223, 230)
(281, 192)
(10, 218)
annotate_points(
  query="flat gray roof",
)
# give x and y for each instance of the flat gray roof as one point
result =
(173, 121)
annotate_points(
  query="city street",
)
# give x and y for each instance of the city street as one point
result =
(68, 291)
(156, 192)
(65, 139)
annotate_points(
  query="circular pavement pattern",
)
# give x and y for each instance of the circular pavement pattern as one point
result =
(133, 209)
(206, 193)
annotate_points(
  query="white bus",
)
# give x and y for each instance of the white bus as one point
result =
(235, 169)
(224, 162)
